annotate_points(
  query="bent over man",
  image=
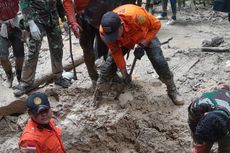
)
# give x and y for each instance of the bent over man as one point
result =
(121, 30)
(10, 35)
(40, 134)
(209, 121)
(42, 18)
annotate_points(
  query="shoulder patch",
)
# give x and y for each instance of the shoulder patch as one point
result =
(141, 19)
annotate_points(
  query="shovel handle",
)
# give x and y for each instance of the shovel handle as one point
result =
(133, 65)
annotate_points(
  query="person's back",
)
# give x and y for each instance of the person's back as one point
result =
(209, 121)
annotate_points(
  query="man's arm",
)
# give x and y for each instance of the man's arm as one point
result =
(150, 24)
(70, 12)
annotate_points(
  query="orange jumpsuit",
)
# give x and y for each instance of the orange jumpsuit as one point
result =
(42, 140)
(138, 25)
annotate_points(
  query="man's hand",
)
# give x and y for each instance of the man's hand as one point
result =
(198, 148)
(34, 30)
(139, 52)
(76, 30)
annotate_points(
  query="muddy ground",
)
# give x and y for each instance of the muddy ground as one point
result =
(143, 119)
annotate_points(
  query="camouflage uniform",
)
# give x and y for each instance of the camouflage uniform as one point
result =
(45, 15)
(216, 100)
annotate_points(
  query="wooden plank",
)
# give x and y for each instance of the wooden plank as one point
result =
(184, 67)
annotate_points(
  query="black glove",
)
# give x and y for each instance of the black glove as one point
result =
(139, 52)
(127, 79)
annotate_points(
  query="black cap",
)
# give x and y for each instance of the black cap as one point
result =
(37, 102)
(110, 23)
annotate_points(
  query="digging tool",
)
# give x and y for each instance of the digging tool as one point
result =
(71, 55)
(138, 53)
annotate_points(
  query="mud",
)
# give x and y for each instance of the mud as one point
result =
(143, 119)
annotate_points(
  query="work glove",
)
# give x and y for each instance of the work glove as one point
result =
(198, 148)
(76, 29)
(34, 30)
(139, 52)
(65, 26)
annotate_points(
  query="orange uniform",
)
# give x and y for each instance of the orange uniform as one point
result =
(41, 139)
(71, 9)
(138, 25)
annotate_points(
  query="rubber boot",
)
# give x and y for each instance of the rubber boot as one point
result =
(173, 93)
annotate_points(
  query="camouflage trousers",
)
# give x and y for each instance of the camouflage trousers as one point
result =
(34, 46)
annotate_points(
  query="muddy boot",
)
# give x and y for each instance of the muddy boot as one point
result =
(63, 82)
(172, 93)
(20, 89)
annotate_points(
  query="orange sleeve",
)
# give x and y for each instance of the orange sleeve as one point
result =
(70, 12)
(154, 26)
(117, 55)
(149, 24)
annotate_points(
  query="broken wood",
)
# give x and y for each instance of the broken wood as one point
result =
(167, 41)
(50, 77)
(215, 49)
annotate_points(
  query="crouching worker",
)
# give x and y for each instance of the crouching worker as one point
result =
(121, 30)
(40, 134)
(209, 121)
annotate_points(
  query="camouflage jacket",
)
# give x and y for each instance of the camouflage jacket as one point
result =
(45, 12)
(215, 100)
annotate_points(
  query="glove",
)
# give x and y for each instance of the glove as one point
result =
(139, 52)
(198, 148)
(127, 79)
(34, 30)
(65, 26)
(76, 30)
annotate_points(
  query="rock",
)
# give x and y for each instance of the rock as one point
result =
(124, 98)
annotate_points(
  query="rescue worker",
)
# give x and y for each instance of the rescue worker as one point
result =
(84, 17)
(209, 121)
(42, 19)
(10, 35)
(40, 134)
(123, 28)
(163, 15)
